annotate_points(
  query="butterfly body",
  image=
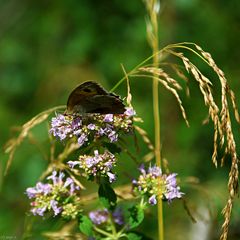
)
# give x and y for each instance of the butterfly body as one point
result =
(90, 97)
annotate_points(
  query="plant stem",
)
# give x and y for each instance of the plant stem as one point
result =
(157, 125)
(104, 233)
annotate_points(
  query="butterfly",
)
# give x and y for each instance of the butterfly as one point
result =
(91, 97)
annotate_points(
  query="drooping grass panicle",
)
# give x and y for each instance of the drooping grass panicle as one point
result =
(145, 137)
(162, 74)
(220, 118)
(178, 70)
(165, 83)
(205, 88)
(223, 134)
(13, 143)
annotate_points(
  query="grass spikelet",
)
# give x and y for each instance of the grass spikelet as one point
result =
(148, 157)
(234, 104)
(231, 145)
(221, 119)
(205, 88)
(161, 73)
(227, 216)
(172, 90)
(181, 75)
(145, 137)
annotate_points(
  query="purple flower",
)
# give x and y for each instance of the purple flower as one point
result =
(54, 207)
(52, 196)
(155, 171)
(108, 118)
(118, 216)
(78, 127)
(101, 131)
(73, 188)
(171, 180)
(39, 211)
(56, 179)
(142, 169)
(58, 120)
(152, 200)
(72, 164)
(134, 182)
(91, 126)
(90, 161)
(112, 177)
(68, 182)
(99, 216)
(39, 189)
(153, 183)
(82, 139)
(61, 127)
(53, 177)
(99, 164)
(113, 136)
(76, 123)
(173, 190)
(129, 112)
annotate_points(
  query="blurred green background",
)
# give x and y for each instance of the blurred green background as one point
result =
(49, 47)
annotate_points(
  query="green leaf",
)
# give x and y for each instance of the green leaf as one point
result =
(133, 236)
(136, 216)
(86, 225)
(107, 195)
(113, 148)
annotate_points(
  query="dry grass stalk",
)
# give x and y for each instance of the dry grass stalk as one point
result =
(124, 146)
(181, 75)
(148, 157)
(221, 120)
(234, 104)
(144, 136)
(129, 95)
(169, 88)
(165, 166)
(223, 134)
(161, 73)
(205, 88)
(13, 143)
(230, 145)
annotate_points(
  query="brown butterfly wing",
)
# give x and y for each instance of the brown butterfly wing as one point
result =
(90, 97)
(105, 104)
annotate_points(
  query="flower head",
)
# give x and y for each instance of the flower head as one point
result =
(152, 183)
(130, 112)
(54, 195)
(91, 126)
(96, 165)
(99, 217)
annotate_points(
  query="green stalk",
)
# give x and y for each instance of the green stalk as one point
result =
(104, 233)
(157, 125)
